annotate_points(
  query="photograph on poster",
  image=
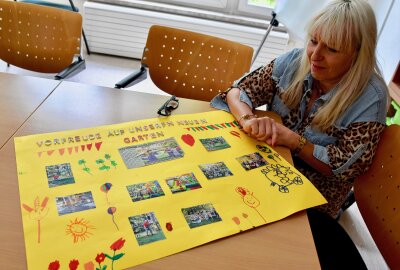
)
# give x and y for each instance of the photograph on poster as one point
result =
(59, 175)
(75, 203)
(144, 191)
(146, 228)
(151, 153)
(213, 144)
(200, 215)
(252, 161)
(215, 170)
(183, 182)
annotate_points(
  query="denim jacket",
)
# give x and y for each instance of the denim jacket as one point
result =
(369, 107)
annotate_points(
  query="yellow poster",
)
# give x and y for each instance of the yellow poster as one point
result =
(116, 196)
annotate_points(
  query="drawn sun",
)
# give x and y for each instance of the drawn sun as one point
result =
(79, 229)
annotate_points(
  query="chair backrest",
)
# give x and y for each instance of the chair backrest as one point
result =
(377, 194)
(193, 65)
(38, 38)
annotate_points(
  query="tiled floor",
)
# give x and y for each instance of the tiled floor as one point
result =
(106, 70)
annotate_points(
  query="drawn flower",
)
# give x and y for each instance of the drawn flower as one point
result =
(38, 211)
(54, 265)
(100, 258)
(73, 264)
(89, 266)
(117, 245)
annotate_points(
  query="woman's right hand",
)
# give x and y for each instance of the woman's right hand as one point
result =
(267, 130)
(262, 129)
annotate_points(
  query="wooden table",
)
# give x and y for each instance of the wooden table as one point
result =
(20, 96)
(287, 244)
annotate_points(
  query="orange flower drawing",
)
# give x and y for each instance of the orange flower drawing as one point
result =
(38, 211)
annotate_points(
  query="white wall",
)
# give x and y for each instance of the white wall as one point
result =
(388, 50)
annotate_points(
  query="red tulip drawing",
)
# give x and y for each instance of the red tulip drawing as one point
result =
(73, 264)
(38, 211)
(54, 265)
(117, 245)
(100, 259)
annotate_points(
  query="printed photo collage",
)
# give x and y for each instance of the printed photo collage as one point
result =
(146, 227)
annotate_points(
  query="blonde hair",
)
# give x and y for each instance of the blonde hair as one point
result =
(347, 25)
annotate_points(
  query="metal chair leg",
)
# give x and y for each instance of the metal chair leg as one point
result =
(83, 32)
(86, 43)
(73, 6)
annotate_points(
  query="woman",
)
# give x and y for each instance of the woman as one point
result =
(330, 96)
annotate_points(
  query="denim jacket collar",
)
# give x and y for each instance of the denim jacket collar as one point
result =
(308, 82)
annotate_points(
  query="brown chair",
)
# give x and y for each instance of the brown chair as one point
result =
(42, 39)
(71, 7)
(191, 65)
(377, 194)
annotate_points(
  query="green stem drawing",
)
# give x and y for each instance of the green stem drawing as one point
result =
(82, 162)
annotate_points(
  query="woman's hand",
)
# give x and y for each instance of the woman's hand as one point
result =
(267, 130)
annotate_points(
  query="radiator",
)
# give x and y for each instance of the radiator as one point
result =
(122, 31)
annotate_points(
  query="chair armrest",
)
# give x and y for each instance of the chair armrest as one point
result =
(75, 67)
(71, 7)
(135, 77)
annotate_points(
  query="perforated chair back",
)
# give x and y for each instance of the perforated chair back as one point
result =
(377, 194)
(193, 65)
(39, 38)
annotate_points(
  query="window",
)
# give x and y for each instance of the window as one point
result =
(256, 8)
(206, 4)
(261, 8)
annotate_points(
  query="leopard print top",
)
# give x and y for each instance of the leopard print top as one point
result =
(261, 88)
